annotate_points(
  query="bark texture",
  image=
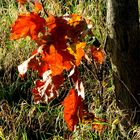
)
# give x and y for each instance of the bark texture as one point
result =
(124, 48)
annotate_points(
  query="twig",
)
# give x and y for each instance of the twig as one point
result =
(42, 2)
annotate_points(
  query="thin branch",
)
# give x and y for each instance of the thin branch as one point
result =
(42, 2)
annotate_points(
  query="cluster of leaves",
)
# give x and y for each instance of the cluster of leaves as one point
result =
(61, 47)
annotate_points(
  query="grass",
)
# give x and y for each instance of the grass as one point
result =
(20, 119)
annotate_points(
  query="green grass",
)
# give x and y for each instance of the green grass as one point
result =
(20, 119)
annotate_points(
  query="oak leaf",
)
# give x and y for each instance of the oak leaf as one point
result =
(57, 25)
(73, 109)
(55, 61)
(75, 20)
(58, 28)
(44, 90)
(77, 50)
(98, 54)
(29, 63)
(28, 25)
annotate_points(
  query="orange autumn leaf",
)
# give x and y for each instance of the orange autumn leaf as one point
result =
(57, 25)
(98, 55)
(98, 125)
(73, 109)
(44, 91)
(55, 61)
(28, 25)
(38, 6)
(75, 20)
(50, 59)
(39, 66)
(80, 53)
(58, 28)
(51, 22)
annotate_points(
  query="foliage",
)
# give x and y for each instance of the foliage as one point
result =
(73, 109)
(60, 48)
(25, 120)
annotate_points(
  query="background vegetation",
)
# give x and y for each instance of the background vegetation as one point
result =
(22, 120)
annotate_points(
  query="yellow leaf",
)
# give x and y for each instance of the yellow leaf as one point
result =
(77, 50)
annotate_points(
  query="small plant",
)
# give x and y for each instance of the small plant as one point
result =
(62, 45)
(61, 48)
